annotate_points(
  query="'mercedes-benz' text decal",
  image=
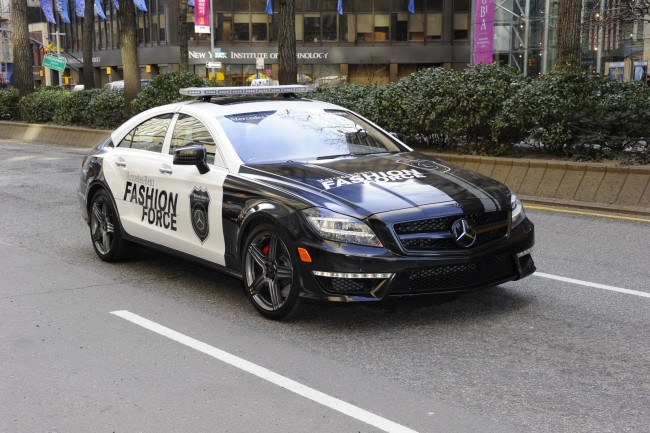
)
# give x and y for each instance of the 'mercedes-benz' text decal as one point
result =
(158, 207)
(370, 176)
(425, 164)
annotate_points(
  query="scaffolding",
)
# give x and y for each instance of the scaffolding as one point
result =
(523, 36)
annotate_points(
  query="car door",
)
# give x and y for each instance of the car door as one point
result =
(197, 198)
(131, 169)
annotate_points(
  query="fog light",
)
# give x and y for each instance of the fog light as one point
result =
(524, 252)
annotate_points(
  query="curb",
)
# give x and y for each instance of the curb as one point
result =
(71, 136)
(583, 185)
(587, 185)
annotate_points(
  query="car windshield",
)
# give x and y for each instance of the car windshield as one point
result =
(303, 135)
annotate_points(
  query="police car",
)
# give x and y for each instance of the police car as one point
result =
(301, 200)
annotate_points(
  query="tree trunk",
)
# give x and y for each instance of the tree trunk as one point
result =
(88, 78)
(182, 35)
(568, 34)
(23, 73)
(129, 51)
(288, 68)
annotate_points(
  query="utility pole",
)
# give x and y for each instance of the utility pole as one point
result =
(214, 77)
(58, 34)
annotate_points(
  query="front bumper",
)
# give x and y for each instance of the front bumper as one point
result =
(349, 273)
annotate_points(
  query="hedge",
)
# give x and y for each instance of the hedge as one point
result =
(486, 109)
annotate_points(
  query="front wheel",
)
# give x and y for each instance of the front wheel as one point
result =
(105, 228)
(270, 277)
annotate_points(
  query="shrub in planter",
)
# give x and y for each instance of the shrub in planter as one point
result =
(105, 109)
(556, 110)
(363, 99)
(164, 90)
(9, 104)
(416, 106)
(40, 105)
(624, 116)
(471, 111)
(73, 109)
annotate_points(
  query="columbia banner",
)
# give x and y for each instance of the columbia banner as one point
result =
(483, 31)
(202, 16)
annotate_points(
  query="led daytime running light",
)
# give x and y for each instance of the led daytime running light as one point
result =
(369, 275)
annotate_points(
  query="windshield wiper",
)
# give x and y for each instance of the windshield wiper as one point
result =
(357, 154)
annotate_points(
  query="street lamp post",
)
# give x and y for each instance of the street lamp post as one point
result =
(58, 34)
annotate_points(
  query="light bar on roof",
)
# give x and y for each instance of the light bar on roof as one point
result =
(252, 90)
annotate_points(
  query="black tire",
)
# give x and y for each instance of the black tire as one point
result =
(270, 274)
(105, 230)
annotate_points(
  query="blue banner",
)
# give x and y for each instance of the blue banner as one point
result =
(99, 10)
(339, 8)
(117, 5)
(62, 7)
(412, 6)
(140, 4)
(269, 7)
(79, 7)
(190, 3)
(46, 5)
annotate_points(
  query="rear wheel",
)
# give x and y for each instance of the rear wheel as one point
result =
(270, 277)
(105, 227)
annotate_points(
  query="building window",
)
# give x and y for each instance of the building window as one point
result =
(241, 31)
(260, 27)
(330, 29)
(364, 28)
(461, 19)
(399, 24)
(312, 27)
(382, 27)
(416, 27)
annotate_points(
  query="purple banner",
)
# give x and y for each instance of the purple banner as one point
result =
(483, 31)
(201, 16)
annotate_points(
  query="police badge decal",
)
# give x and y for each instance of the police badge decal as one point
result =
(199, 205)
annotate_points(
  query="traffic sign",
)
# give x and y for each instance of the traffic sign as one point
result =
(215, 65)
(56, 63)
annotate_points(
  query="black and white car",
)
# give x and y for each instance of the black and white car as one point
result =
(299, 199)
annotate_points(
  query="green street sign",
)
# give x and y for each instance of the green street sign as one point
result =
(56, 63)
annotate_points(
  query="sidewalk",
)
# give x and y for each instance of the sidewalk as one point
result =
(593, 186)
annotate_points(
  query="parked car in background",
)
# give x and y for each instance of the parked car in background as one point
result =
(119, 84)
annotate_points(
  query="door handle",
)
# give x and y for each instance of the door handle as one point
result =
(120, 163)
(165, 170)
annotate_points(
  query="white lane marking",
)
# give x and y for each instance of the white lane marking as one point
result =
(266, 374)
(596, 285)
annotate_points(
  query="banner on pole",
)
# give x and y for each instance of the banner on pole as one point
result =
(483, 32)
(202, 16)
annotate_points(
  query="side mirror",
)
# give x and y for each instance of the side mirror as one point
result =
(192, 155)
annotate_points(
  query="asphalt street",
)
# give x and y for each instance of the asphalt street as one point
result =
(155, 344)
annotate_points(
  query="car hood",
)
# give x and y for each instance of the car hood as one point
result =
(367, 185)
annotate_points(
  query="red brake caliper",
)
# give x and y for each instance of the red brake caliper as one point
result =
(265, 250)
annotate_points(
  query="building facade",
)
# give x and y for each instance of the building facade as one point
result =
(371, 41)
(366, 41)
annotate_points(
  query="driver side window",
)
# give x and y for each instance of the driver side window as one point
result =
(149, 135)
(189, 131)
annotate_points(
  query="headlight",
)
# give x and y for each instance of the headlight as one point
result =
(340, 228)
(518, 214)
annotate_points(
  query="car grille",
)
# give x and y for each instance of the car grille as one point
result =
(435, 233)
(457, 277)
